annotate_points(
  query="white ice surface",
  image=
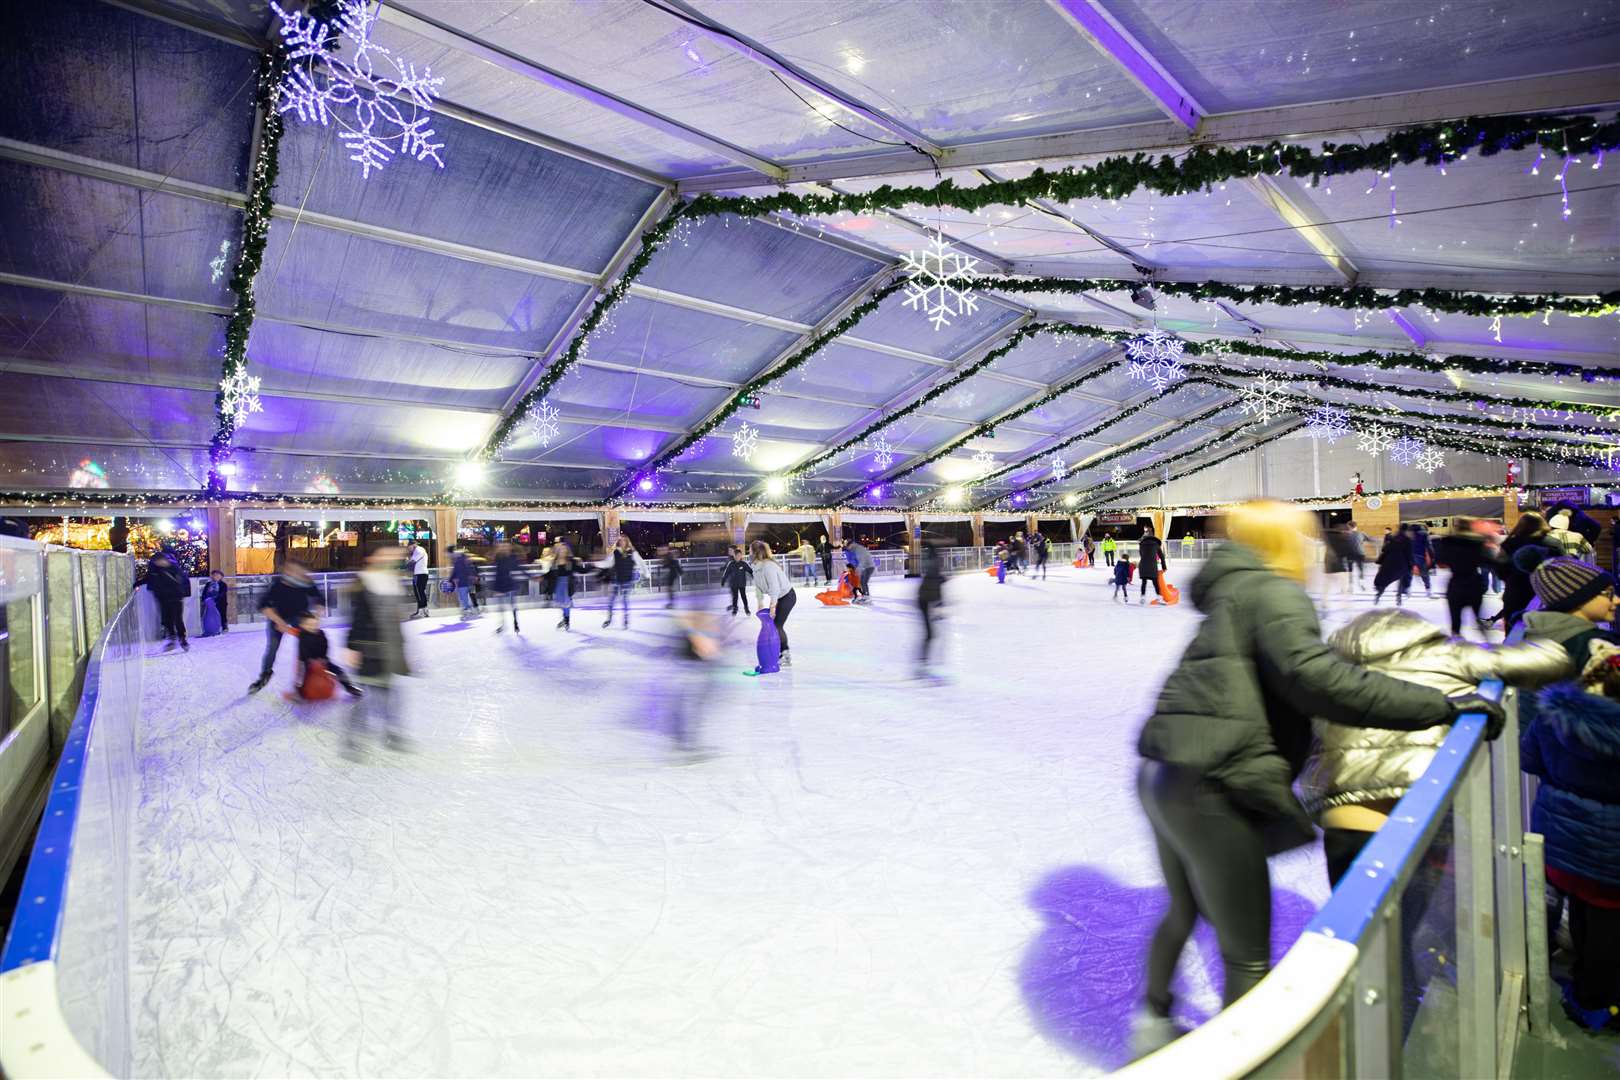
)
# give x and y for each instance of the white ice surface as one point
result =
(871, 874)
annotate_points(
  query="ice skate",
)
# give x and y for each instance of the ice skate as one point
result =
(1150, 1032)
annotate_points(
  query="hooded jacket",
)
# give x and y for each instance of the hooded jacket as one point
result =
(1353, 765)
(1572, 741)
(1237, 708)
(1572, 632)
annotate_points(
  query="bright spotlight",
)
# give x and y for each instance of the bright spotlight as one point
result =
(776, 486)
(644, 485)
(876, 493)
(469, 473)
(164, 525)
(228, 469)
(1070, 499)
(955, 495)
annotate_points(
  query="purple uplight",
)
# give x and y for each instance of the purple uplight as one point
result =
(1018, 500)
(644, 485)
(875, 493)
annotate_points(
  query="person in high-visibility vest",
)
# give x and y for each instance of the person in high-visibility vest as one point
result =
(1187, 543)
(1108, 546)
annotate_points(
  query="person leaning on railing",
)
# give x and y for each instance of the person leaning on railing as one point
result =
(1229, 733)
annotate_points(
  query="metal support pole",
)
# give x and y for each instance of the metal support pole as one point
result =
(1508, 828)
(1539, 985)
(1376, 1031)
(1476, 938)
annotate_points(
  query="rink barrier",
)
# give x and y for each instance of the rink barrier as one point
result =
(1333, 1006)
(64, 969)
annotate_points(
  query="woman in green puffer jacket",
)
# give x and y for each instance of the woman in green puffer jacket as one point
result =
(1229, 733)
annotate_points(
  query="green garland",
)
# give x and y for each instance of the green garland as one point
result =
(1345, 296)
(255, 232)
(797, 360)
(1116, 177)
(651, 242)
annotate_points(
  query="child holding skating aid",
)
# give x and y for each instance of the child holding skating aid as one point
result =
(1122, 579)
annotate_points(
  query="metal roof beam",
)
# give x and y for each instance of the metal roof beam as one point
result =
(1561, 92)
(1109, 37)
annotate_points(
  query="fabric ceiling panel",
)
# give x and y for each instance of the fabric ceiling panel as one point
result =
(854, 374)
(1067, 414)
(130, 90)
(81, 231)
(981, 398)
(30, 404)
(908, 328)
(50, 466)
(795, 417)
(757, 266)
(317, 275)
(1562, 337)
(338, 427)
(625, 396)
(114, 337)
(963, 72)
(1048, 359)
(670, 338)
(501, 194)
(607, 445)
(514, 480)
(291, 357)
(1283, 54)
(527, 103)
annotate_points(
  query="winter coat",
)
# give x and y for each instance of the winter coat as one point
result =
(860, 557)
(1516, 590)
(737, 574)
(1467, 556)
(1353, 765)
(219, 594)
(376, 635)
(1122, 573)
(559, 572)
(463, 574)
(1574, 633)
(931, 589)
(1237, 707)
(1572, 741)
(1420, 547)
(1152, 553)
(167, 582)
(508, 571)
(622, 567)
(1394, 561)
(289, 599)
(312, 645)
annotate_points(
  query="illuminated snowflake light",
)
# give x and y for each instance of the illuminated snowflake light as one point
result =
(1327, 423)
(381, 105)
(1374, 438)
(983, 462)
(882, 453)
(936, 279)
(1156, 358)
(1117, 476)
(542, 422)
(1060, 468)
(1430, 460)
(1262, 398)
(1406, 450)
(239, 396)
(744, 441)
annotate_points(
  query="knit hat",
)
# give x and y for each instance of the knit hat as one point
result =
(1564, 584)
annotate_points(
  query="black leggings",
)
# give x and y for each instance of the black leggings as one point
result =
(1151, 579)
(1460, 600)
(784, 608)
(926, 604)
(1595, 933)
(174, 619)
(826, 566)
(739, 594)
(419, 582)
(1214, 862)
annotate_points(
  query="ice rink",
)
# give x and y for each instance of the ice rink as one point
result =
(867, 874)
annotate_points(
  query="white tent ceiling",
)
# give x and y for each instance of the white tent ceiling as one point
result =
(400, 317)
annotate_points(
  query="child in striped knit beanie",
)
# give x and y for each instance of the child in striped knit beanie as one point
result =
(1575, 598)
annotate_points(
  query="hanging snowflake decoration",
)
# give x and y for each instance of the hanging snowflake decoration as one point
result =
(381, 105)
(744, 440)
(1263, 399)
(936, 282)
(542, 422)
(1117, 475)
(1060, 468)
(1374, 438)
(983, 462)
(1156, 358)
(1406, 450)
(1430, 460)
(239, 395)
(882, 453)
(1327, 423)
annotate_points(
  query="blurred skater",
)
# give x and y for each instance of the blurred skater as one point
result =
(1422, 557)
(1152, 563)
(169, 586)
(376, 649)
(1042, 549)
(930, 594)
(621, 568)
(417, 557)
(1394, 566)
(216, 617)
(672, 575)
(313, 649)
(509, 575)
(1465, 550)
(825, 550)
(773, 592)
(464, 576)
(861, 559)
(691, 682)
(736, 578)
(560, 583)
(1122, 579)
(290, 597)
